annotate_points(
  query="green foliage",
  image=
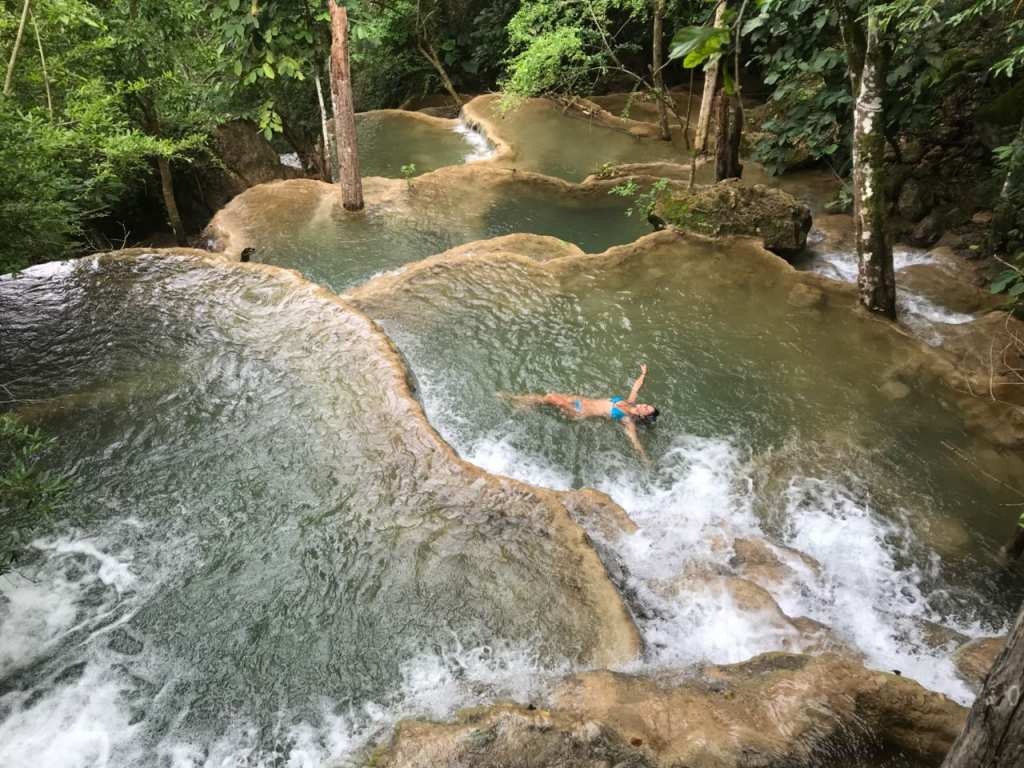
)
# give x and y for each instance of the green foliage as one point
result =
(28, 493)
(644, 200)
(125, 89)
(408, 172)
(698, 45)
(568, 46)
(1009, 281)
(798, 47)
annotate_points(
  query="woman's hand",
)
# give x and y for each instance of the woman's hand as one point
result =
(643, 369)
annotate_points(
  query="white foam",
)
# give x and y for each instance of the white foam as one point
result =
(480, 147)
(291, 160)
(72, 725)
(44, 602)
(864, 594)
(499, 457)
(842, 265)
(697, 500)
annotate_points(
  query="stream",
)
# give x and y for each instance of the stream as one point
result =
(269, 556)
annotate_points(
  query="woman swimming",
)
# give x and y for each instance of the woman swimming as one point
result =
(628, 412)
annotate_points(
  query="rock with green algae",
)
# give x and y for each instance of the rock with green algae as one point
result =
(731, 208)
(777, 709)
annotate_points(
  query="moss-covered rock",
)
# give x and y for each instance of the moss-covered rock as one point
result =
(730, 208)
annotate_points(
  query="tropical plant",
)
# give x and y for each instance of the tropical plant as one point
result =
(28, 492)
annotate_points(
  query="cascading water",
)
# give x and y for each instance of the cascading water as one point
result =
(267, 556)
(768, 431)
(266, 551)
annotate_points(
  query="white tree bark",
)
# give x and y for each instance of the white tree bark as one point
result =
(707, 101)
(42, 62)
(9, 80)
(876, 282)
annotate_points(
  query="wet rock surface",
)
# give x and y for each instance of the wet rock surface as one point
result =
(776, 709)
(974, 659)
(730, 208)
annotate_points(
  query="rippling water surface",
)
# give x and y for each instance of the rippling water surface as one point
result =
(300, 227)
(388, 141)
(775, 423)
(262, 552)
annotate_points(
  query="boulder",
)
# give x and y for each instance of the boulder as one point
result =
(974, 659)
(927, 231)
(241, 158)
(916, 200)
(776, 709)
(771, 565)
(759, 606)
(730, 208)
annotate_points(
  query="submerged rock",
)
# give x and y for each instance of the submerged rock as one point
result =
(730, 208)
(776, 709)
(770, 564)
(974, 659)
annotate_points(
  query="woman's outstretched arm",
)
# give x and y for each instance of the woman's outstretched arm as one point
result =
(637, 384)
(630, 429)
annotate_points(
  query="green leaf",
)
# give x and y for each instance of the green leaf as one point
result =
(268, 70)
(1003, 280)
(1017, 289)
(752, 24)
(695, 45)
(233, 5)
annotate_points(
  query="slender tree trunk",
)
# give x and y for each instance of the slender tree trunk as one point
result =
(42, 63)
(9, 80)
(730, 132)
(994, 734)
(151, 124)
(167, 191)
(329, 165)
(876, 283)
(1008, 207)
(707, 102)
(344, 113)
(430, 54)
(330, 160)
(657, 45)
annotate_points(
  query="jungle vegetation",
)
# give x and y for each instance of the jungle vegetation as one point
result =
(107, 106)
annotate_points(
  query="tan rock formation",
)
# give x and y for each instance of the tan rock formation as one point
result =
(974, 659)
(776, 709)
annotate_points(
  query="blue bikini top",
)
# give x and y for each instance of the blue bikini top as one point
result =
(615, 413)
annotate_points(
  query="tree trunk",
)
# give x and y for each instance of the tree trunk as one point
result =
(167, 190)
(1008, 206)
(42, 63)
(876, 283)
(711, 77)
(335, 162)
(657, 44)
(330, 165)
(730, 132)
(151, 124)
(9, 80)
(344, 113)
(430, 54)
(994, 734)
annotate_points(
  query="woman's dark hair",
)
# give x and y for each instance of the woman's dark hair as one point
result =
(648, 421)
